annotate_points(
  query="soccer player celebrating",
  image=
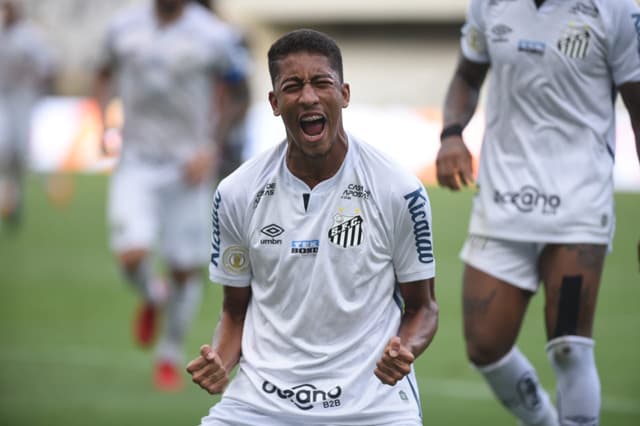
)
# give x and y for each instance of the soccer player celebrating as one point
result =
(323, 246)
(544, 210)
(170, 58)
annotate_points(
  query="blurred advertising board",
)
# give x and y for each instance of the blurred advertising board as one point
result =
(66, 134)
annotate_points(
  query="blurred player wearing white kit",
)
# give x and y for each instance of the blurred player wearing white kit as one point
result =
(27, 70)
(168, 60)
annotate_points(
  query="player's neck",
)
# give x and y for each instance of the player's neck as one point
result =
(167, 16)
(539, 3)
(313, 170)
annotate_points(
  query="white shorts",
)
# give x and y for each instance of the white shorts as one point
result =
(514, 262)
(151, 205)
(370, 404)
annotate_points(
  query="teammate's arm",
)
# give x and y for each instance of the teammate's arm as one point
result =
(102, 92)
(630, 93)
(211, 370)
(418, 326)
(453, 163)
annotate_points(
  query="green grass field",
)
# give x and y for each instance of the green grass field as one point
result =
(67, 357)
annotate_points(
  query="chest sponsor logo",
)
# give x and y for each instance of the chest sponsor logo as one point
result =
(355, 190)
(531, 46)
(500, 33)
(236, 259)
(574, 43)
(346, 231)
(417, 206)
(272, 231)
(268, 191)
(215, 236)
(305, 396)
(305, 247)
(636, 22)
(585, 8)
(529, 199)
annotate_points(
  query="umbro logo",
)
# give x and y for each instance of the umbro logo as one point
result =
(272, 231)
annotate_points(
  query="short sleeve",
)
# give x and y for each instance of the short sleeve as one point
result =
(229, 262)
(413, 257)
(624, 44)
(473, 42)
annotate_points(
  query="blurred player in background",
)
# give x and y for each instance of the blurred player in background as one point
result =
(169, 59)
(544, 210)
(27, 71)
(323, 246)
(237, 103)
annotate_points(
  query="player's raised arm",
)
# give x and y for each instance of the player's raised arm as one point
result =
(417, 329)
(212, 368)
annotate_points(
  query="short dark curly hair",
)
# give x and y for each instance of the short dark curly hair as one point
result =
(304, 40)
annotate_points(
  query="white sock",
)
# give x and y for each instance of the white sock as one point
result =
(141, 279)
(515, 383)
(183, 304)
(578, 384)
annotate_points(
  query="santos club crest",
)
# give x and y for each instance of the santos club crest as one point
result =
(346, 230)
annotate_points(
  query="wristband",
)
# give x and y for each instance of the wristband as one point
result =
(451, 130)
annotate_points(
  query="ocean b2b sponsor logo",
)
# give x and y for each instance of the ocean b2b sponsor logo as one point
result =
(305, 396)
(529, 199)
(416, 203)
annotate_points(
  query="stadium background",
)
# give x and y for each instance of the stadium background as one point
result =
(66, 356)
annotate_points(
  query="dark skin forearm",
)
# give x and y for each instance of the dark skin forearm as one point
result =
(463, 94)
(420, 319)
(417, 328)
(630, 93)
(227, 339)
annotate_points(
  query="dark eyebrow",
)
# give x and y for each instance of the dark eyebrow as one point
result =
(294, 79)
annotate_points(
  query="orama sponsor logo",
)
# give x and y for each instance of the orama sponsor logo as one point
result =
(215, 238)
(417, 203)
(305, 396)
(528, 199)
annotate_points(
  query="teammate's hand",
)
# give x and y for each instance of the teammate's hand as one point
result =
(395, 362)
(198, 167)
(208, 372)
(453, 164)
(111, 143)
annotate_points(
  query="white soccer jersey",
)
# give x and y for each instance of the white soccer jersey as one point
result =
(26, 60)
(323, 280)
(165, 77)
(548, 152)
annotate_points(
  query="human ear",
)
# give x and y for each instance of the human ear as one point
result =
(273, 100)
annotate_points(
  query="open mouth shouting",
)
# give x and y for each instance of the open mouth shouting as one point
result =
(313, 125)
